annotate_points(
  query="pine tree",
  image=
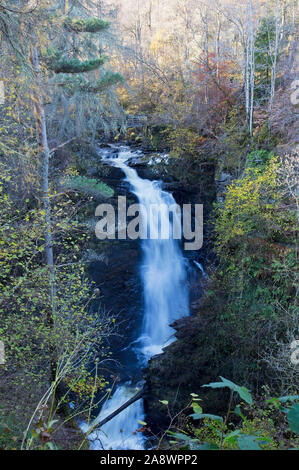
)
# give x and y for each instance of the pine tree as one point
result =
(264, 58)
(84, 98)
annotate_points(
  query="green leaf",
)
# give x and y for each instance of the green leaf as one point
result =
(288, 398)
(141, 422)
(231, 438)
(245, 394)
(205, 415)
(229, 383)
(179, 435)
(50, 445)
(238, 412)
(215, 385)
(196, 408)
(164, 402)
(242, 391)
(208, 446)
(247, 442)
(293, 418)
(223, 384)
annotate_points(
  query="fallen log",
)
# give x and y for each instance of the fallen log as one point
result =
(121, 408)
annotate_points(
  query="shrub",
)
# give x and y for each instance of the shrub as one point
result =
(274, 425)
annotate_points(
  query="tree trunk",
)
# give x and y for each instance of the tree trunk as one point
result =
(274, 63)
(121, 408)
(45, 155)
(250, 61)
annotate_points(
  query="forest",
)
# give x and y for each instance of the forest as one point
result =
(118, 339)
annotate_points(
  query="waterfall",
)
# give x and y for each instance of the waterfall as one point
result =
(119, 433)
(165, 293)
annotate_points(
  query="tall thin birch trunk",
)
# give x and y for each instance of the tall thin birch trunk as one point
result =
(274, 62)
(218, 45)
(247, 75)
(139, 46)
(250, 68)
(206, 48)
(45, 155)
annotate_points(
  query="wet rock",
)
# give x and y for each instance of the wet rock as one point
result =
(185, 366)
(224, 178)
(137, 162)
(222, 182)
(173, 186)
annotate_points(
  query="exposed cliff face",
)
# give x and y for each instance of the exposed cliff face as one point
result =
(184, 366)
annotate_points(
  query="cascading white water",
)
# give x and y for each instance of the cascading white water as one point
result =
(165, 300)
(119, 433)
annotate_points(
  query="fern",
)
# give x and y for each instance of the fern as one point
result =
(88, 186)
